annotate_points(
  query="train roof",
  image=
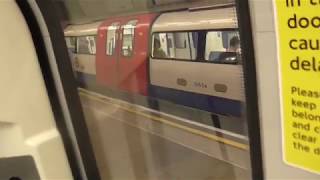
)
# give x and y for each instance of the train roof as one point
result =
(82, 30)
(196, 20)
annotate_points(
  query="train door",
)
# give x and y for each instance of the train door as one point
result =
(133, 50)
(107, 56)
(128, 59)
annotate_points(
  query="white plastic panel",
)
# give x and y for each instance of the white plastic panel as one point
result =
(164, 74)
(27, 125)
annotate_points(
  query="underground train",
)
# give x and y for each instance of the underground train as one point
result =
(190, 57)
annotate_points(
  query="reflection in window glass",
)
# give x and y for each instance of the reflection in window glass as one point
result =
(111, 38)
(154, 117)
(86, 45)
(128, 38)
(222, 46)
(175, 45)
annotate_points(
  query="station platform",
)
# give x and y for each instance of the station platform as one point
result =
(134, 142)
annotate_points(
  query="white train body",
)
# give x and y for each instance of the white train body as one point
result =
(81, 42)
(182, 70)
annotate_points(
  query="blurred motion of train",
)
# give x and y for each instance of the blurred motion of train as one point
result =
(190, 57)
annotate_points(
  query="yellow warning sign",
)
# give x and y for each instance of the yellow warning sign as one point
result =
(298, 27)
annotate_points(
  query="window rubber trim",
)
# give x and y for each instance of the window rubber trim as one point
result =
(251, 93)
(69, 87)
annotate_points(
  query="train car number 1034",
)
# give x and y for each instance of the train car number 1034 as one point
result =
(200, 85)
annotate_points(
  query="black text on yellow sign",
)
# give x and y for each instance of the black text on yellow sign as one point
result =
(298, 25)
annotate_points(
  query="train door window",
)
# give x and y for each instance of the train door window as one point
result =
(86, 45)
(71, 43)
(222, 47)
(111, 38)
(182, 101)
(128, 37)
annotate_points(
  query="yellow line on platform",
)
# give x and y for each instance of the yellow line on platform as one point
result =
(93, 95)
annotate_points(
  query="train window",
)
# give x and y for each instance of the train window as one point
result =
(174, 97)
(193, 43)
(175, 45)
(161, 46)
(128, 37)
(222, 46)
(86, 45)
(180, 40)
(111, 38)
(71, 43)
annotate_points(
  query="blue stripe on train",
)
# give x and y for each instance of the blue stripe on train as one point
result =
(212, 104)
(204, 102)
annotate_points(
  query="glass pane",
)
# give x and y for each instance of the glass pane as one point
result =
(111, 38)
(86, 45)
(128, 38)
(222, 46)
(177, 108)
(175, 45)
(162, 46)
(71, 43)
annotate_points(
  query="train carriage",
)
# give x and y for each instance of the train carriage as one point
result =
(190, 69)
(189, 57)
